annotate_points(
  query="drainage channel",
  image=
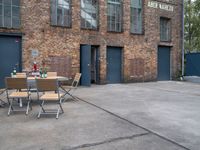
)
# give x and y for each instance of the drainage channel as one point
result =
(150, 131)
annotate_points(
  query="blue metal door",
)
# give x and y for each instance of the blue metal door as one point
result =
(85, 63)
(114, 64)
(163, 63)
(10, 56)
(192, 64)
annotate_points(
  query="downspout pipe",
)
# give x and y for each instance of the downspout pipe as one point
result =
(183, 35)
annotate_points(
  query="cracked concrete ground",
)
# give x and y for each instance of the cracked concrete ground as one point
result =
(139, 116)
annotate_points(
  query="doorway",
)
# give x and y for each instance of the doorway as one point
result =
(10, 48)
(163, 63)
(114, 65)
(89, 64)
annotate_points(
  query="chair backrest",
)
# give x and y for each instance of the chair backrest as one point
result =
(51, 74)
(76, 80)
(47, 85)
(21, 75)
(16, 83)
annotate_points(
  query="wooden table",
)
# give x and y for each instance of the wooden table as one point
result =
(32, 83)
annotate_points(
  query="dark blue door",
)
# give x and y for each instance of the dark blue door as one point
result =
(85, 64)
(114, 64)
(10, 56)
(163, 63)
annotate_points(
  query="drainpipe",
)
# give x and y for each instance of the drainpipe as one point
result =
(183, 35)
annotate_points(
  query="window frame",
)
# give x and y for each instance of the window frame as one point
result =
(122, 18)
(142, 19)
(170, 29)
(70, 15)
(12, 16)
(97, 18)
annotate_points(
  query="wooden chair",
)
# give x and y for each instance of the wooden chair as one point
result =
(17, 84)
(48, 87)
(51, 74)
(68, 89)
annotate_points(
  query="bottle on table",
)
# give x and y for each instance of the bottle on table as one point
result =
(14, 72)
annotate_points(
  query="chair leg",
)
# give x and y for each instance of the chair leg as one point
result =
(41, 109)
(57, 113)
(10, 107)
(61, 107)
(28, 106)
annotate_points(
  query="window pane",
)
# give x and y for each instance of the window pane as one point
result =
(16, 22)
(15, 11)
(10, 13)
(165, 30)
(1, 9)
(59, 16)
(136, 3)
(61, 12)
(16, 2)
(53, 12)
(136, 16)
(7, 2)
(7, 21)
(89, 13)
(114, 17)
(1, 21)
(7, 10)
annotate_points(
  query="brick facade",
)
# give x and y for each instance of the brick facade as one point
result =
(50, 40)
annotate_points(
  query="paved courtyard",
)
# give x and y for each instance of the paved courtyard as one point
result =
(138, 116)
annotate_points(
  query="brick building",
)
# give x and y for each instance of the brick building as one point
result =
(108, 41)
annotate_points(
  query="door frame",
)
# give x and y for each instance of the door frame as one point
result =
(122, 62)
(170, 61)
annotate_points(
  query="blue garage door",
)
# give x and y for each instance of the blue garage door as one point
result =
(114, 64)
(163, 63)
(10, 56)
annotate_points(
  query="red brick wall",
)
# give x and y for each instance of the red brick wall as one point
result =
(59, 41)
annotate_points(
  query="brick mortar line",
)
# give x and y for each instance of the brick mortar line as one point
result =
(150, 131)
(107, 141)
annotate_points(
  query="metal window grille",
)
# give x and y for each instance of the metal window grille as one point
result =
(165, 29)
(136, 16)
(89, 14)
(114, 15)
(10, 13)
(61, 13)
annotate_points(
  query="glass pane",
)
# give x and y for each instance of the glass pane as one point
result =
(1, 9)
(89, 13)
(53, 12)
(1, 1)
(7, 21)
(1, 21)
(7, 10)
(15, 22)
(59, 16)
(15, 11)
(7, 2)
(16, 2)
(136, 3)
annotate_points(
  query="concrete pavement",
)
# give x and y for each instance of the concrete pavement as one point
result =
(139, 116)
